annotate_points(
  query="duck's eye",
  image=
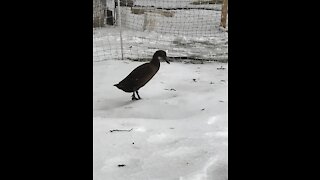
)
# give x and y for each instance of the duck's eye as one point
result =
(160, 58)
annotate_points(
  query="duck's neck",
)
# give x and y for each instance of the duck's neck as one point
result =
(155, 61)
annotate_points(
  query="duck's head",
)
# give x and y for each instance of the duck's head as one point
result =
(161, 55)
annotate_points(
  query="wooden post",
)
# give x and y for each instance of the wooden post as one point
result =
(224, 13)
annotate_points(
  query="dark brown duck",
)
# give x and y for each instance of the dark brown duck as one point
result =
(142, 74)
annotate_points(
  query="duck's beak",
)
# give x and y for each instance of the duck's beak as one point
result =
(167, 60)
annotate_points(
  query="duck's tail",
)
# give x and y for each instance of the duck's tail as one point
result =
(117, 85)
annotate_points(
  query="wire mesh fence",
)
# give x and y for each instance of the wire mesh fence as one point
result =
(187, 29)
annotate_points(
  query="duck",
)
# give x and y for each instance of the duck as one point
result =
(142, 74)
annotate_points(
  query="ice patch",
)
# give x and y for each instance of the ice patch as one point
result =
(210, 134)
(217, 134)
(222, 133)
(157, 138)
(113, 162)
(181, 151)
(140, 129)
(203, 173)
(212, 120)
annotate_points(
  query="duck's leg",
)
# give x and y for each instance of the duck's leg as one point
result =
(133, 96)
(138, 95)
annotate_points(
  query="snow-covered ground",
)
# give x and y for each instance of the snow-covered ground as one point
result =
(177, 131)
(137, 44)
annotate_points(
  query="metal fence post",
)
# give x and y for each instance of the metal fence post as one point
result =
(120, 26)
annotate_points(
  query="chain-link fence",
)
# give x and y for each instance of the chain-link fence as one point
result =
(188, 29)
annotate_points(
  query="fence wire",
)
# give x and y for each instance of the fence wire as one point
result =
(187, 29)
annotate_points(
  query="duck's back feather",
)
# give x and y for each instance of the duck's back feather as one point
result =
(138, 77)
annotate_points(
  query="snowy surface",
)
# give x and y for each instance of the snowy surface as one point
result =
(106, 45)
(179, 127)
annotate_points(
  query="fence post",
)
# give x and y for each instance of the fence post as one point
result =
(120, 26)
(224, 13)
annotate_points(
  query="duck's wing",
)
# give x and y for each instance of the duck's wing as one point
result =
(141, 75)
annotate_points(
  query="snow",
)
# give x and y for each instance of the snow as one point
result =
(177, 131)
(106, 45)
